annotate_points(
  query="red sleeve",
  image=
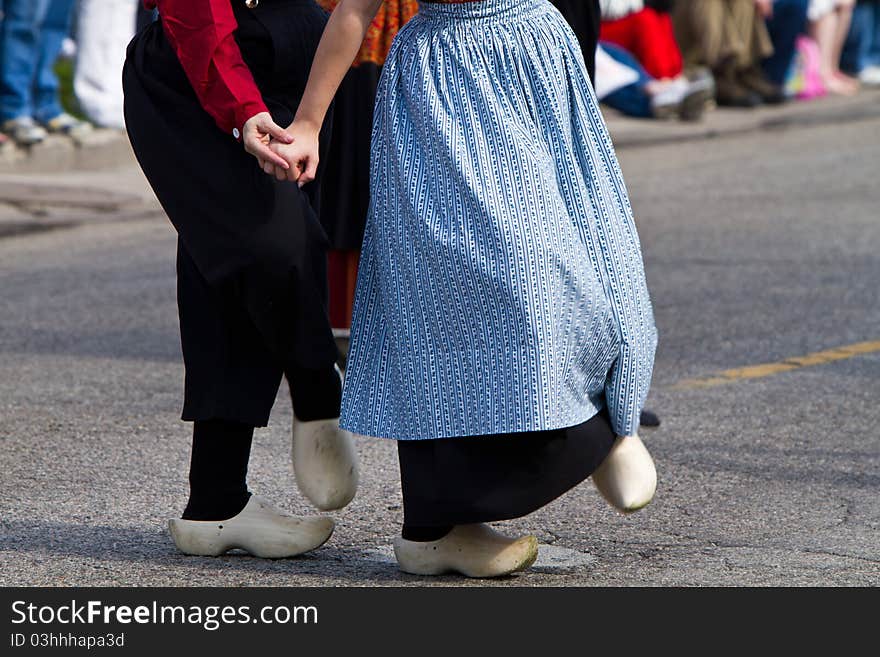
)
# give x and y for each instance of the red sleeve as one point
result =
(201, 33)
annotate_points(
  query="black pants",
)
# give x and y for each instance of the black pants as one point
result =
(251, 261)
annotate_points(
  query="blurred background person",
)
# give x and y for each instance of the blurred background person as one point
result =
(644, 29)
(103, 30)
(622, 84)
(829, 27)
(639, 34)
(785, 24)
(861, 52)
(731, 38)
(31, 35)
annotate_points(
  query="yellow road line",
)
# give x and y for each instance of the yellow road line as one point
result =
(769, 369)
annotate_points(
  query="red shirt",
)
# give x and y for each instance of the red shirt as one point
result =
(200, 31)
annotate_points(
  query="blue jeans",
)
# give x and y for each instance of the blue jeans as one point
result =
(862, 48)
(31, 34)
(788, 22)
(631, 100)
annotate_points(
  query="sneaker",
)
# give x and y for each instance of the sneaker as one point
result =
(666, 103)
(649, 419)
(65, 124)
(701, 74)
(68, 49)
(870, 76)
(700, 92)
(24, 131)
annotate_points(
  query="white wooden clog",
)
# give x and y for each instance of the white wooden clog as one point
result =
(260, 529)
(325, 463)
(627, 478)
(470, 550)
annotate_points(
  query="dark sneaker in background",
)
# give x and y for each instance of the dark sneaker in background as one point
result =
(755, 80)
(65, 124)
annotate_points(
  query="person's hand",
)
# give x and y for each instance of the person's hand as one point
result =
(765, 8)
(258, 133)
(301, 155)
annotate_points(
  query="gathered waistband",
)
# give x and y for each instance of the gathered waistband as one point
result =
(502, 10)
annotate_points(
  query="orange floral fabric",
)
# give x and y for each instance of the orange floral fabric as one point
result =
(392, 15)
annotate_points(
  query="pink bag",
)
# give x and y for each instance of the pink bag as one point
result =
(804, 78)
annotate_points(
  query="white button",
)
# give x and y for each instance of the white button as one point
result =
(236, 133)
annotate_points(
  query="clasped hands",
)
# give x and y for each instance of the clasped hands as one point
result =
(290, 154)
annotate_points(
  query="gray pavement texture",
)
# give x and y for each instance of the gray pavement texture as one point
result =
(761, 241)
(98, 149)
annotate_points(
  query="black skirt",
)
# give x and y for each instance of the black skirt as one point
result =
(252, 290)
(457, 481)
(345, 194)
(584, 18)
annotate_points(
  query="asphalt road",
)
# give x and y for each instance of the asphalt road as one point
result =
(760, 247)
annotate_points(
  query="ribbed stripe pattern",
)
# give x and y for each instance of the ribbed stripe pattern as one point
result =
(501, 286)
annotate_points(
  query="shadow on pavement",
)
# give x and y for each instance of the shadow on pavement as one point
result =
(134, 545)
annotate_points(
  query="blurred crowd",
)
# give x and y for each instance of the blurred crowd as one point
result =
(33, 34)
(656, 59)
(675, 58)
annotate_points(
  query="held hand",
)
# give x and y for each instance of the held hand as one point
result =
(301, 155)
(258, 132)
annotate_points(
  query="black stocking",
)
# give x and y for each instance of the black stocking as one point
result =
(218, 470)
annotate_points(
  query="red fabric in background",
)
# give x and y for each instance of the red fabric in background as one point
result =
(342, 267)
(649, 36)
